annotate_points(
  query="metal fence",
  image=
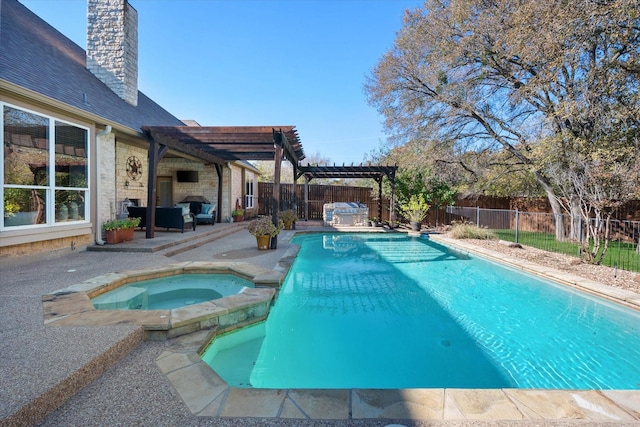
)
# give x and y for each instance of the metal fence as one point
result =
(540, 230)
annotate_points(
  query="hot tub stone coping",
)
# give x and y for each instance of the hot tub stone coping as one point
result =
(72, 306)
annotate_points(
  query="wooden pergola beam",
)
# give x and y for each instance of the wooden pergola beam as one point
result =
(376, 172)
(217, 145)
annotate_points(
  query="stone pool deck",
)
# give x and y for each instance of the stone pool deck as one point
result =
(105, 374)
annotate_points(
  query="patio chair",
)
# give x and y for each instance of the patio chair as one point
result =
(207, 214)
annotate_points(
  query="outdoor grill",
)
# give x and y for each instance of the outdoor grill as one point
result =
(345, 213)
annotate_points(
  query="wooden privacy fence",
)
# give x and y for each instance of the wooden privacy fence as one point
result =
(321, 194)
(318, 196)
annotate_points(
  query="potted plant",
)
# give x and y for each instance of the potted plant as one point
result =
(120, 230)
(288, 217)
(264, 229)
(415, 210)
(373, 222)
(20, 207)
(237, 214)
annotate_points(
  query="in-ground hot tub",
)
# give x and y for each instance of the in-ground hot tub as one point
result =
(171, 292)
(222, 309)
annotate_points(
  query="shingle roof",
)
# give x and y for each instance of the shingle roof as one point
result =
(36, 56)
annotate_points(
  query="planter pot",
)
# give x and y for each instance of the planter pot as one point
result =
(127, 234)
(62, 213)
(416, 226)
(263, 242)
(73, 210)
(120, 235)
(238, 218)
(21, 218)
(287, 225)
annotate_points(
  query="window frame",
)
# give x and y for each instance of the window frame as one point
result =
(249, 188)
(52, 187)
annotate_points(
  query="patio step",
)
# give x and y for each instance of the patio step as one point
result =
(201, 240)
(171, 243)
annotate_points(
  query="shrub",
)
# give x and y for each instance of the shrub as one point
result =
(288, 216)
(415, 209)
(117, 224)
(467, 230)
(263, 226)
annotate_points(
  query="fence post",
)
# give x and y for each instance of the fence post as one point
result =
(517, 224)
(478, 216)
(581, 231)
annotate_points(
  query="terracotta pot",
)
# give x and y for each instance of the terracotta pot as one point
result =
(287, 225)
(263, 242)
(113, 237)
(120, 235)
(127, 234)
(238, 218)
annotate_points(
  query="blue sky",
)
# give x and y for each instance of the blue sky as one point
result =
(260, 62)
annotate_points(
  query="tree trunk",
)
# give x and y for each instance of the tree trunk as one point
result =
(556, 208)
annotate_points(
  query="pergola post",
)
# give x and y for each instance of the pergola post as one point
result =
(392, 203)
(379, 198)
(294, 196)
(276, 191)
(219, 172)
(156, 153)
(306, 198)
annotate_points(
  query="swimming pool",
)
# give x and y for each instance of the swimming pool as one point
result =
(171, 292)
(390, 311)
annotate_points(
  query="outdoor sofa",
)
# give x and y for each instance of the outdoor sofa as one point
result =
(166, 217)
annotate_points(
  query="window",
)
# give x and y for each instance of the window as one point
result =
(248, 192)
(45, 170)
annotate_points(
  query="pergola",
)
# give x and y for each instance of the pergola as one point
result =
(361, 171)
(220, 144)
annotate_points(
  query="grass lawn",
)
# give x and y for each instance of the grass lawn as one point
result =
(619, 254)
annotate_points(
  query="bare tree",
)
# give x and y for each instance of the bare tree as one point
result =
(501, 76)
(600, 183)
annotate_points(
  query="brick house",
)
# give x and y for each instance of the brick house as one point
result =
(73, 148)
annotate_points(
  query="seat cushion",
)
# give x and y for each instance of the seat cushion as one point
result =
(186, 208)
(207, 209)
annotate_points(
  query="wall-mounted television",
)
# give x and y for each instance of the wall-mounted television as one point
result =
(187, 176)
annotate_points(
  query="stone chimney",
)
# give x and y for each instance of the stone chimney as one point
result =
(112, 46)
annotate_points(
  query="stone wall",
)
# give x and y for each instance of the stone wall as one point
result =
(45, 248)
(125, 186)
(112, 46)
(206, 186)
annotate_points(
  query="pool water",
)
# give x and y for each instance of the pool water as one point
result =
(391, 311)
(171, 292)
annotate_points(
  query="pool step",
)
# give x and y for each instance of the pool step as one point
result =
(411, 252)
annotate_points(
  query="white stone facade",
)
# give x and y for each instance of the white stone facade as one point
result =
(112, 46)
